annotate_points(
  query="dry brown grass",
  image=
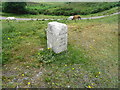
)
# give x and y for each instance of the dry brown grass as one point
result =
(100, 40)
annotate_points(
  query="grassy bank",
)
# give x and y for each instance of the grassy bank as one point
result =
(67, 9)
(90, 61)
(70, 8)
(41, 16)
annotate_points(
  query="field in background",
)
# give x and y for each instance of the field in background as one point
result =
(70, 8)
(91, 59)
(67, 9)
(41, 16)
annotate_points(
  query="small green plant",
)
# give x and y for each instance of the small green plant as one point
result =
(47, 79)
(46, 56)
(72, 55)
(97, 68)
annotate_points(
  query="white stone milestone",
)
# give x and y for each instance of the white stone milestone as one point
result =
(57, 36)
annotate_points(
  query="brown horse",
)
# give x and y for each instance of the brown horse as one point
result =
(76, 17)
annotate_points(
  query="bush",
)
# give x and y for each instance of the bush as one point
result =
(41, 11)
(14, 7)
(70, 8)
(33, 12)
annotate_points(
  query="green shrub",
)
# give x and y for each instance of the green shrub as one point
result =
(67, 9)
(33, 12)
(48, 56)
(14, 7)
(70, 8)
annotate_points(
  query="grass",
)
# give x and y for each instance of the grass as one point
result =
(57, 10)
(90, 61)
(67, 57)
(71, 8)
(41, 16)
(32, 16)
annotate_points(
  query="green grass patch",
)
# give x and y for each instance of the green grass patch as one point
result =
(72, 56)
(91, 59)
(68, 9)
(42, 16)
(15, 33)
(71, 8)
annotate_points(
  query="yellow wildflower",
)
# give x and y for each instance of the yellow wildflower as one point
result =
(89, 87)
(23, 75)
(65, 65)
(99, 72)
(73, 68)
(96, 76)
(8, 38)
(38, 53)
(28, 83)
(48, 48)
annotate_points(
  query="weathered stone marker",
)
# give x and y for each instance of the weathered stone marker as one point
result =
(57, 36)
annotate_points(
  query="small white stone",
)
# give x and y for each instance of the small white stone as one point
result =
(40, 73)
(41, 49)
(68, 86)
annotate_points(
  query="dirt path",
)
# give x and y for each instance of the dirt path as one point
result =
(3, 18)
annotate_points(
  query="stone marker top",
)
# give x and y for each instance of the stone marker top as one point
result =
(55, 28)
